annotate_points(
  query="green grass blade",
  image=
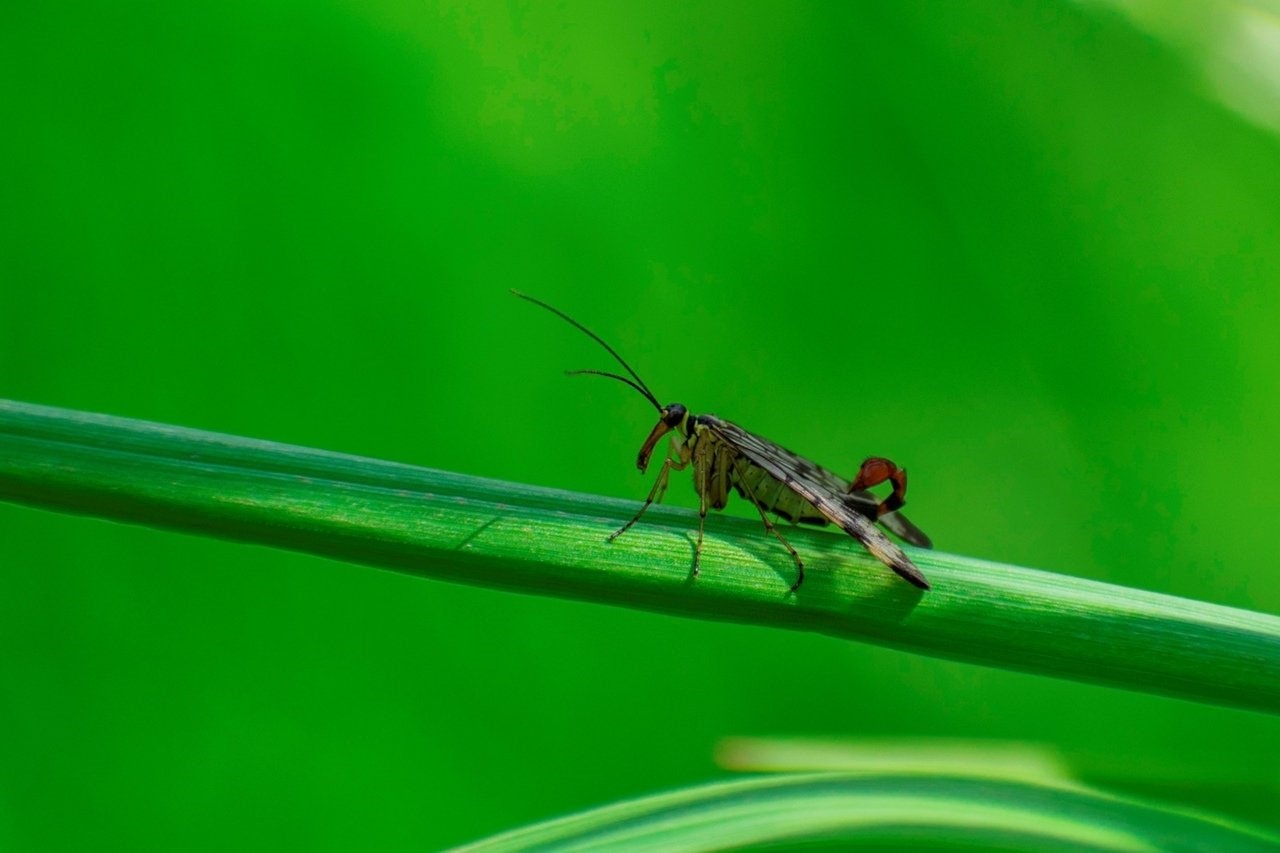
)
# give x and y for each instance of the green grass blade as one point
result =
(913, 810)
(535, 540)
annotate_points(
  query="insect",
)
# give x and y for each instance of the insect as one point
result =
(727, 457)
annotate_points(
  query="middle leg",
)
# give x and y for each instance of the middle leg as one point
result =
(701, 462)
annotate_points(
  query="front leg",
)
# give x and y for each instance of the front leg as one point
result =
(677, 459)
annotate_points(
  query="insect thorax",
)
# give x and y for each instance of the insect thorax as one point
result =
(692, 430)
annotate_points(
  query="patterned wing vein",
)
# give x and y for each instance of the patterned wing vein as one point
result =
(817, 495)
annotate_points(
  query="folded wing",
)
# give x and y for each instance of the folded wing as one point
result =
(795, 488)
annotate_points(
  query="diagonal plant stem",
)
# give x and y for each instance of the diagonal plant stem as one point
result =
(535, 540)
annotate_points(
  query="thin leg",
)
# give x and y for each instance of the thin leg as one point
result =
(877, 470)
(655, 494)
(700, 477)
(702, 523)
(770, 526)
(659, 487)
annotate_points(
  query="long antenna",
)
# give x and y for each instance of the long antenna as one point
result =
(638, 384)
(643, 391)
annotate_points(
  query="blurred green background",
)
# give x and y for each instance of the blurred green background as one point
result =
(1029, 249)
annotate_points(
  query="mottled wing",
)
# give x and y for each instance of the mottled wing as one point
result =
(901, 526)
(803, 477)
(866, 503)
(777, 498)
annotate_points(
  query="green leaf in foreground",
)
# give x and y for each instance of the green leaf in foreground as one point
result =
(535, 540)
(841, 808)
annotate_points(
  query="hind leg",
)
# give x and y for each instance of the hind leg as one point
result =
(770, 526)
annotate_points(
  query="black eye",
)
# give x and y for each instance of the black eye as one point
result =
(673, 414)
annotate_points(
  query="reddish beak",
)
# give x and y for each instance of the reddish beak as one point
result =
(642, 460)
